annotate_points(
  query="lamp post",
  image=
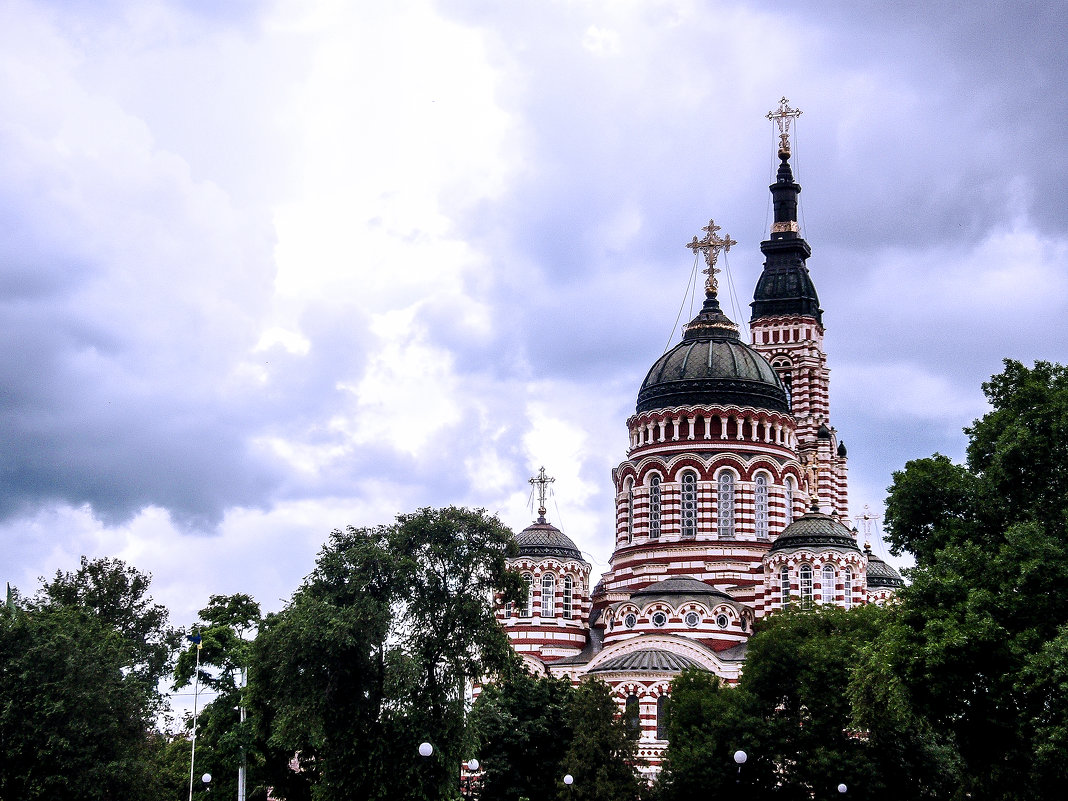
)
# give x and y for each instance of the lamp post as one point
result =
(467, 781)
(568, 781)
(206, 778)
(740, 757)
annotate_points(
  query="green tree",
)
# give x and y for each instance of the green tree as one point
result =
(117, 595)
(79, 668)
(976, 645)
(224, 742)
(521, 725)
(708, 724)
(371, 654)
(603, 755)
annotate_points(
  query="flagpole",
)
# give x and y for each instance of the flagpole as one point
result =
(196, 690)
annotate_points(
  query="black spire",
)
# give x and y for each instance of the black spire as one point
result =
(784, 287)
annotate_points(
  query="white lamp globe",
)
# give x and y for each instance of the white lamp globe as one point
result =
(425, 749)
(206, 778)
(740, 757)
(842, 788)
(569, 780)
(472, 764)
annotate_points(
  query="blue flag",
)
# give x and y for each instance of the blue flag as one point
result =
(195, 638)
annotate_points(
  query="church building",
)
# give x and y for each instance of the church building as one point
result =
(731, 501)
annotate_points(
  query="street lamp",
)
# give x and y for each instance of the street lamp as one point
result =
(842, 788)
(206, 778)
(467, 782)
(425, 749)
(740, 756)
(568, 781)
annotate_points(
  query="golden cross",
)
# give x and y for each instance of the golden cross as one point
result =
(711, 245)
(543, 481)
(782, 118)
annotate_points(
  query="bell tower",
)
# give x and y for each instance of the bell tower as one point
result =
(787, 329)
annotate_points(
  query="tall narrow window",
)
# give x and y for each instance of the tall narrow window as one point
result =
(654, 507)
(789, 500)
(633, 716)
(528, 601)
(805, 580)
(548, 595)
(689, 505)
(663, 716)
(630, 511)
(827, 584)
(847, 587)
(784, 587)
(726, 505)
(569, 590)
(760, 502)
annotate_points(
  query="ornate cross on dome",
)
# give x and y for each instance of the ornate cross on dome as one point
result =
(711, 245)
(543, 481)
(782, 118)
(866, 520)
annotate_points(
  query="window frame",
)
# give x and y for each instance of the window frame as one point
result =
(548, 593)
(827, 589)
(760, 505)
(726, 500)
(804, 584)
(568, 593)
(655, 507)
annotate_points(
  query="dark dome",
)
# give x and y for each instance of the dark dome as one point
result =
(712, 366)
(654, 659)
(815, 530)
(544, 539)
(880, 574)
(686, 586)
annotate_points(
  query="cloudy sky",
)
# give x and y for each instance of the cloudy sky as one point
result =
(294, 265)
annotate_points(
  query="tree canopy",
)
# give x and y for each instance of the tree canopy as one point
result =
(79, 668)
(975, 648)
(372, 654)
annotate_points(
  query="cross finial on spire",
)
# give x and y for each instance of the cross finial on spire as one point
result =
(542, 481)
(711, 245)
(783, 117)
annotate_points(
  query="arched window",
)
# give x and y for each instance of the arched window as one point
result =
(847, 587)
(805, 580)
(784, 587)
(789, 500)
(633, 716)
(760, 491)
(689, 505)
(726, 505)
(827, 584)
(548, 595)
(663, 717)
(654, 507)
(528, 602)
(630, 511)
(569, 588)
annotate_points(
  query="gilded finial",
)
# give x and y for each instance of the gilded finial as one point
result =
(783, 117)
(711, 245)
(542, 481)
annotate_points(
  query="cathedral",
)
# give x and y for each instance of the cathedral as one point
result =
(731, 501)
